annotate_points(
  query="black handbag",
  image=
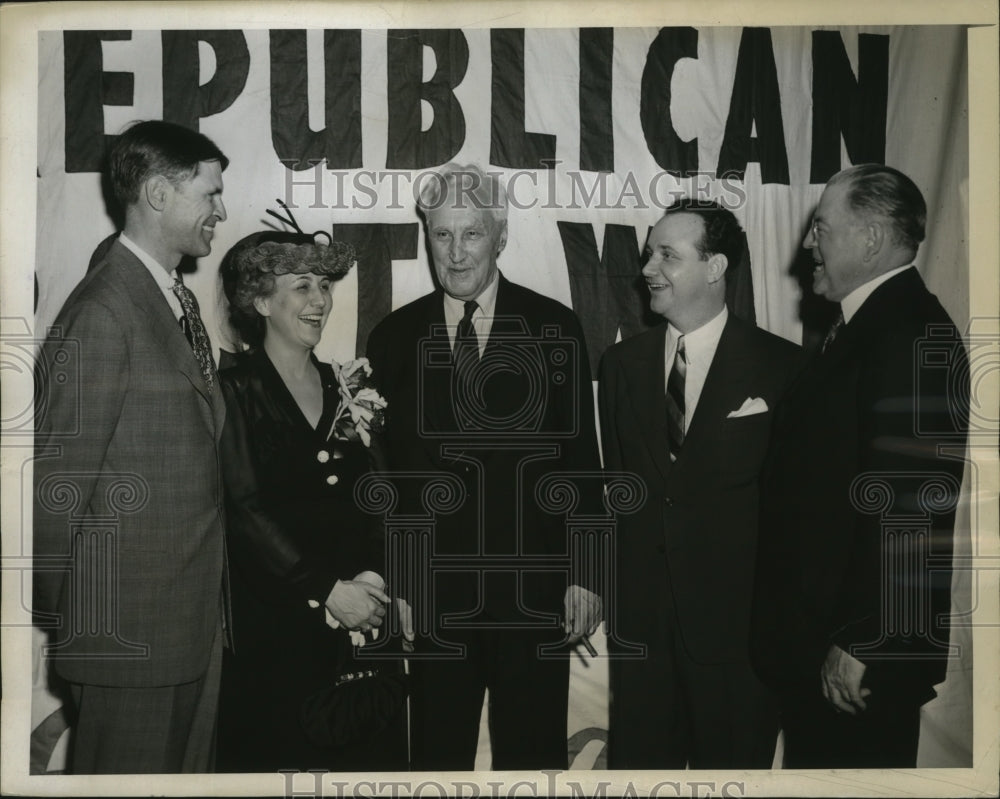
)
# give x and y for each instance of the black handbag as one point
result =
(356, 708)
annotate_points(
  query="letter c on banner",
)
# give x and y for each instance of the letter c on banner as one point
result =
(679, 158)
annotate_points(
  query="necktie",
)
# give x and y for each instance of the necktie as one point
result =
(831, 334)
(195, 331)
(466, 340)
(675, 400)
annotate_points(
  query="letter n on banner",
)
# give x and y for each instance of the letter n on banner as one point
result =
(856, 109)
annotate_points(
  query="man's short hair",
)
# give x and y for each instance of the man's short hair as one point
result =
(467, 186)
(157, 148)
(722, 232)
(880, 190)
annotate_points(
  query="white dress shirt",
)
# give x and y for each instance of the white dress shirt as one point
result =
(853, 301)
(482, 319)
(699, 348)
(163, 278)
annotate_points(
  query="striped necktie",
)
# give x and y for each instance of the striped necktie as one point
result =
(675, 400)
(195, 331)
(831, 334)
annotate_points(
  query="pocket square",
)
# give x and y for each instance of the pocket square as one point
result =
(750, 406)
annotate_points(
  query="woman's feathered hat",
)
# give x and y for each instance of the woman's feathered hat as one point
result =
(269, 250)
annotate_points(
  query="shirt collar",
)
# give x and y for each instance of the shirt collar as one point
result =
(853, 301)
(164, 279)
(704, 339)
(487, 301)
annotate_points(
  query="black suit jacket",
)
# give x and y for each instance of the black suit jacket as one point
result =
(858, 499)
(690, 546)
(527, 414)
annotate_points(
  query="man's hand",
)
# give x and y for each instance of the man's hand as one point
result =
(357, 604)
(583, 612)
(841, 677)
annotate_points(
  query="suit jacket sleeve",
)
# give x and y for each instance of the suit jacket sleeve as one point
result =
(898, 398)
(73, 432)
(607, 388)
(581, 451)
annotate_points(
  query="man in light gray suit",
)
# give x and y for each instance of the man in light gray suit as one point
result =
(128, 526)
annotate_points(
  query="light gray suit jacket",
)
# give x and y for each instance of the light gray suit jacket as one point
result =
(128, 512)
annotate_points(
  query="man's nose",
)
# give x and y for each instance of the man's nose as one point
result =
(810, 240)
(456, 252)
(220, 210)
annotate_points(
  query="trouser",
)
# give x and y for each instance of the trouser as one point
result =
(528, 702)
(161, 730)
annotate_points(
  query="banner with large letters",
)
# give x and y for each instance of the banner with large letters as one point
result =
(593, 130)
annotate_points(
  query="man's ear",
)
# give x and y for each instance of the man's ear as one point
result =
(503, 237)
(875, 234)
(717, 265)
(155, 192)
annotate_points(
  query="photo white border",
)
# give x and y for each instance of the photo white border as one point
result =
(19, 27)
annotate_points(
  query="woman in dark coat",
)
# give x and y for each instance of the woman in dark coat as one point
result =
(304, 560)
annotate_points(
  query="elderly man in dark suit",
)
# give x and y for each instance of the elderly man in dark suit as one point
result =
(687, 407)
(489, 394)
(128, 526)
(859, 491)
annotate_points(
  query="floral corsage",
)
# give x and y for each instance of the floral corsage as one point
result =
(361, 410)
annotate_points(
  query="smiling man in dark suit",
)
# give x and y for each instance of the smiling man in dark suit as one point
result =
(128, 527)
(489, 390)
(687, 407)
(859, 491)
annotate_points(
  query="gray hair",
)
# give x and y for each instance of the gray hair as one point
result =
(467, 186)
(878, 190)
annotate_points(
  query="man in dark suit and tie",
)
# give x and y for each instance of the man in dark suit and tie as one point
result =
(859, 491)
(489, 396)
(128, 527)
(687, 407)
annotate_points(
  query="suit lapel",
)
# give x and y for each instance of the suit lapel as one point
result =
(148, 297)
(730, 369)
(508, 324)
(646, 377)
(439, 413)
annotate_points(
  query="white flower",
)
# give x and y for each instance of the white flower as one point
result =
(358, 401)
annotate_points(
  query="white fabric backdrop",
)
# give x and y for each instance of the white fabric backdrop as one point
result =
(926, 137)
